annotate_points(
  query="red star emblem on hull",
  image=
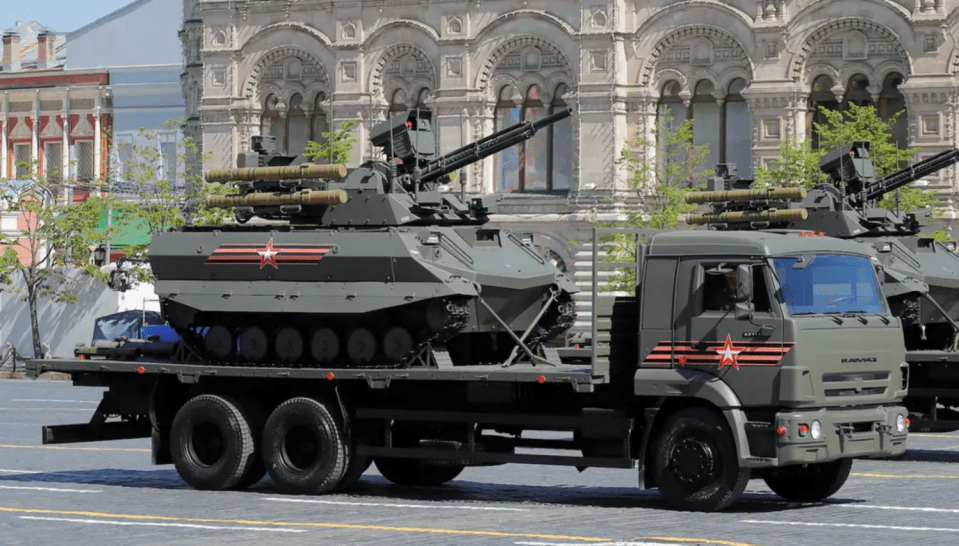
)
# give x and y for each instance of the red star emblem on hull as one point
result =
(268, 255)
(728, 355)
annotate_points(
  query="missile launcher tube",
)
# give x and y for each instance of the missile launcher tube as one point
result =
(314, 197)
(295, 172)
(792, 194)
(785, 215)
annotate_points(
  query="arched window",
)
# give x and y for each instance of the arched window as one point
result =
(891, 101)
(706, 122)
(671, 107)
(319, 122)
(422, 98)
(857, 92)
(272, 122)
(561, 139)
(542, 163)
(506, 163)
(298, 130)
(738, 130)
(534, 167)
(821, 98)
(398, 102)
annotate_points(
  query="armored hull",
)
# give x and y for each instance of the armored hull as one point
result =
(357, 297)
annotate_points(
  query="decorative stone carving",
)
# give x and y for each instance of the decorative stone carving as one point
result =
(348, 71)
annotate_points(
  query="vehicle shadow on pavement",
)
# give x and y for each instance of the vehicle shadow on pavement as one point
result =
(930, 456)
(372, 488)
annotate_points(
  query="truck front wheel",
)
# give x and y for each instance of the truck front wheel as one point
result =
(303, 447)
(695, 462)
(211, 443)
(809, 482)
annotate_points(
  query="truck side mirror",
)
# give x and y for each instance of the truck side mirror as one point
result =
(744, 283)
(744, 310)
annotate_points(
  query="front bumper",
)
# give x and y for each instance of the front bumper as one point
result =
(846, 433)
(869, 432)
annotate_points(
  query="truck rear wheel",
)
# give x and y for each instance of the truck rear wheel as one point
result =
(211, 443)
(256, 417)
(417, 472)
(810, 482)
(303, 447)
(695, 462)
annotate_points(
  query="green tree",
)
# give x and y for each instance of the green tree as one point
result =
(335, 147)
(679, 168)
(156, 171)
(862, 123)
(796, 165)
(52, 239)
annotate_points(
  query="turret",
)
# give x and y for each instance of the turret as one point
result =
(843, 207)
(405, 189)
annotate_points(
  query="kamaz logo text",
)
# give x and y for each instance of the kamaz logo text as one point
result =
(862, 359)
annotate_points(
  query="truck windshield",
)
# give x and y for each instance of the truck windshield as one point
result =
(828, 283)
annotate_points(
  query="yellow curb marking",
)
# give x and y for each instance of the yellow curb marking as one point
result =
(305, 524)
(936, 477)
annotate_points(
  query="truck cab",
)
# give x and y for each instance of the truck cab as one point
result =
(787, 336)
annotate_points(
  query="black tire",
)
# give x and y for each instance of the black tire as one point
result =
(211, 443)
(256, 417)
(810, 482)
(417, 471)
(696, 464)
(355, 469)
(303, 447)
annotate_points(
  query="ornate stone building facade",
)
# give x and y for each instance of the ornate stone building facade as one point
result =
(750, 73)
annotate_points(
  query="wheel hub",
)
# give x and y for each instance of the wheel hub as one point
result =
(693, 460)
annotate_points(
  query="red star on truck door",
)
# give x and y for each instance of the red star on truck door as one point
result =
(728, 354)
(268, 256)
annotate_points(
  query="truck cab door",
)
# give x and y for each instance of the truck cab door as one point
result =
(743, 351)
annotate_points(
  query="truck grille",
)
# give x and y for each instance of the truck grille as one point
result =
(846, 384)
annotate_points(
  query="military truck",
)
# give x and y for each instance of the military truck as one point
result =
(921, 274)
(738, 355)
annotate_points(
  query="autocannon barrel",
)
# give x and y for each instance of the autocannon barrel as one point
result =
(487, 146)
(898, 179)
(784, 215)
(306, 170)
(310, 197)
(792, 194)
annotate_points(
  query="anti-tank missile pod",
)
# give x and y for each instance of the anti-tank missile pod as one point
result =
(375, 268)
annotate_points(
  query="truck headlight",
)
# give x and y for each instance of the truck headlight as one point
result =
(816, 430)
(901, 423)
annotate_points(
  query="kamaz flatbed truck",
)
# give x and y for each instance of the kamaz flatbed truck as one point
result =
(739, 355)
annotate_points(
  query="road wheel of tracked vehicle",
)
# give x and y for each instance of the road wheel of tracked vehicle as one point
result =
(810, 482)
(303, 447)
(695, 460)
(254, 344)
(289, 344)
(219, 342)
(361, 345)
(324, 345)
(397, 343)
(418, 472)
(211, 442)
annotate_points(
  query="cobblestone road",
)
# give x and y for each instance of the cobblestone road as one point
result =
(108, 493)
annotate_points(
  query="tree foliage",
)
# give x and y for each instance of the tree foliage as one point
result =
(336, 147)
(167, 190)
(662, 185)
(51, 240)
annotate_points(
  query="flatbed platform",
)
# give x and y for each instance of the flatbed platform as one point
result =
(579, 376)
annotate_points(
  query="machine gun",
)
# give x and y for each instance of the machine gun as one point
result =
(403, 190)
(843, 207)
